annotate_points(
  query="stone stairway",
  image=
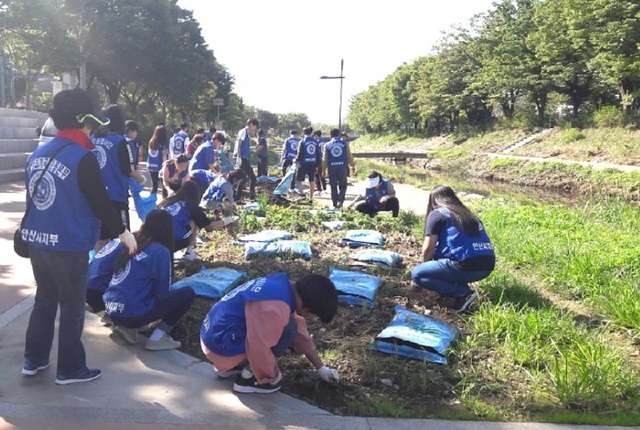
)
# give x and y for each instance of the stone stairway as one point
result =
(17, 140)
(525, 140)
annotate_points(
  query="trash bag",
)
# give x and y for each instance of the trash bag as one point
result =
(265, 236)
(143, 205)
(370, 255)
(357, 238)
(212, 283)
(296, 248)
(283, 187)
(415, 336)
(355, 288)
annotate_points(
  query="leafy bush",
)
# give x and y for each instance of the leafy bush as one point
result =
(572, 135)
(609, 116)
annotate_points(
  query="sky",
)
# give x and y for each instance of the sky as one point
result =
(278, 49)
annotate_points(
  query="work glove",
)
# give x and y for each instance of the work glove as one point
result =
(229, 220)
(129, 241)
(328, 374)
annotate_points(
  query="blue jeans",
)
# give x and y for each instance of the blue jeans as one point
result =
(61, 279)
(443, 277)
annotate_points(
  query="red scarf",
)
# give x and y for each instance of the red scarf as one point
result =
(77, 136)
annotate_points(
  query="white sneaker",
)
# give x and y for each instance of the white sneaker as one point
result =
(190, 255)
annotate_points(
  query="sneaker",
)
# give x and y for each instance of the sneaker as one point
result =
(190, 255)
(462, 303)
(105, 320)
(165, 343)
(31, 368)
(128, 334)
(86, 376)
(229, 373)
(251, 385)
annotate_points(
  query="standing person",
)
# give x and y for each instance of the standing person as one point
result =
(139, 291)
(242, 152)
(188, 218)
(174, 173)
(154, 155)
(204, 157)
(379, 195)
(321, 181)
(179, 141)
(67, 204)
(307, 159)
(131, 136)
(163, 144)
(262, 151)
(336, 159)
(456, 249)
(114, 157)
(289, 152)
(248, 329)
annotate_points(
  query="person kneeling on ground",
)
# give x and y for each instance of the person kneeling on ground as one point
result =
(257, 322)
(378, 196)
(219, 192)
(188, 217)
(456, 249)
(139, 292)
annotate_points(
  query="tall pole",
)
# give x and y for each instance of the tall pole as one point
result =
(340, 108)
(3, 101)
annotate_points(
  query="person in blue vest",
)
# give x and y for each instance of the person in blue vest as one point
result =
(179, 141)
(307, 159)
(456, 249)
(202, 177)
(321, 180)
(336, 160)
(66, 206)
(242, 153)
(100, 273)
(221, 163)
(219, 193)
(154, 155)
(174, 173)
(139, 290)
(379, 195)
(131, 136)
(188, 218)
(114, 156)
(204, 156)
(289, 152)
(249, 328)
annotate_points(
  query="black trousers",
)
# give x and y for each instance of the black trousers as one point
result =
(392, 205)
(246, 168)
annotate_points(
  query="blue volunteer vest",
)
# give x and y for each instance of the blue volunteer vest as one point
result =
(215, 193)
(60, 218)
(101, 267)
(291, 148)
(374, 195)
(181, 220)
(133, 290)
(154, 160)
(199, 159)
(458, 246)
(309, 152)
(203, 178)
(337, 152)
(178, 142)
(224, 329)
(245, 148)
(133, 150)
(106, 151)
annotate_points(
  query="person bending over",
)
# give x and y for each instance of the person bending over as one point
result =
(378, 196)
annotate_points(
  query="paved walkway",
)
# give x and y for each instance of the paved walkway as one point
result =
(149, 390)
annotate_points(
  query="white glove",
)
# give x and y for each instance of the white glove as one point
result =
(328, 374)
(229, 220)
(143, 180)
(129, 241)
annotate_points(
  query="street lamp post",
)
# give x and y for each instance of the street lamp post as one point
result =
(341, 77)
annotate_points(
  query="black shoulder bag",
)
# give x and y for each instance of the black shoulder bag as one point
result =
(19, 245)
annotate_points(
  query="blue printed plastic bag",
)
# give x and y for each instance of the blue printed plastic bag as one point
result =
(296, 248)
(266, 236)
(356, 238)
(355, 288)
(264, 178)
(143, 205)
(212, 283)
(415, 336)
(283, 187)
(369, 255)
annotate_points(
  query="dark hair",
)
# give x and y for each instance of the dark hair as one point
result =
(116, 116)
(176, 130)
(319, 295)
(184, 125)
(373, 174)
(219, 137)
(157, 227)
(197, 138)
(67, 105)
(253, 121)
(189, 193)
(130, 125)
(156, 139)
(200, 131)
(307, 130)
(234, 175)
(293, 132)
(443, 196)
(182, 158)
(212, 130)
(317, 133)
(334, 132)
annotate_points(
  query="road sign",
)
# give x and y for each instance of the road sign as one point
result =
(218, 102)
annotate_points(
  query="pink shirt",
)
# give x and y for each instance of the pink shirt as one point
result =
(265, 322)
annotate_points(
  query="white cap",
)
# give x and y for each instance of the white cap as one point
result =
(372, 182)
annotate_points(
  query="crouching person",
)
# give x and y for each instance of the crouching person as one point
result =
(139, 292)
(257, 322)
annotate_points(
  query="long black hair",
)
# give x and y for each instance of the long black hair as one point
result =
(443, 196)
(189, 193)
(234, 176)
(157, 227)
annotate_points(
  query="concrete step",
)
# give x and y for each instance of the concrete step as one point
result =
(13, 121)
(12, 175)
(18, 132)
(21, 113)
(18, 145)
(13, 160)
